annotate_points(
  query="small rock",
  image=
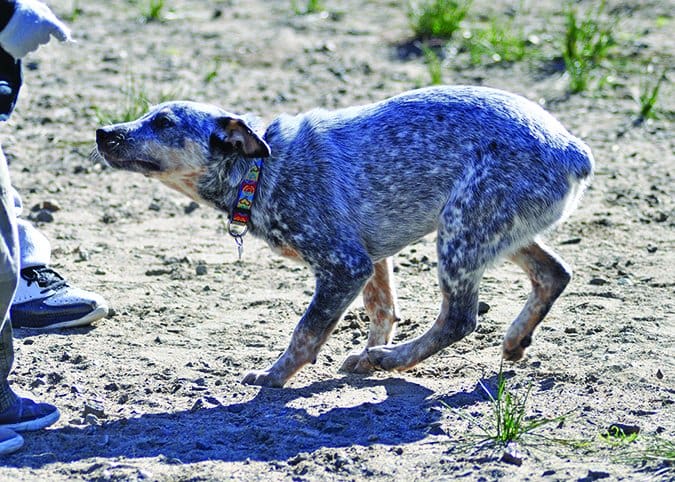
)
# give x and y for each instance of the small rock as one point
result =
(571, 330)
(436, 428)
(512, 455)
(93, 407)
(594, 475)
(547, 473)
(155, 206)
(111, 387)
(190, 208)
(659, 374)
(483, 308)
(301, 457)
(83, 255)
(37, 382)
(571, 241)
(651, 248)
(621, 430)
(158, 272)
(43, 216)
(124, 398)
(108, 218)
(201, 270)
(598, 282)
(212, 401)
(92, 419)
(198, 405)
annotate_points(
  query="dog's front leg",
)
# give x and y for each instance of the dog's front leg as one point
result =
(337, 286)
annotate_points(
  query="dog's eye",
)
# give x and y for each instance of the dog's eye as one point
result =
(162, 121)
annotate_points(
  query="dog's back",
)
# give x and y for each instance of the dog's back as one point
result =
(398, 162)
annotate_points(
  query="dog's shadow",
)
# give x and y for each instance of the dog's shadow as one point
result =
(268, 427)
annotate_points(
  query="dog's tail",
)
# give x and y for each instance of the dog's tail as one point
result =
(580, 160)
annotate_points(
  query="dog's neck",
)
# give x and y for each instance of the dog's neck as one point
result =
(220, 185)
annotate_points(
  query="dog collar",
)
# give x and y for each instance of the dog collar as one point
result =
(241, 214)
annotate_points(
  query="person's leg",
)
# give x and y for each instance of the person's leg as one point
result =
(43, 298)
(9, 270)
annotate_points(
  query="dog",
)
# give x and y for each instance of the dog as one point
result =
(344, 190)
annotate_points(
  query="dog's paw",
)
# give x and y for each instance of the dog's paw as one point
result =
(384, 357)
(514, 350)
(262, 378)
(357, 363)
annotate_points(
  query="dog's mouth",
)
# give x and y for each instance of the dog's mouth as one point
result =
(134, 165)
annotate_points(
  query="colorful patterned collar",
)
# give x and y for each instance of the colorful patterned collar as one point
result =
(241, 214)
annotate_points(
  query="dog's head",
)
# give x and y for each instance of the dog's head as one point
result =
(177, 141)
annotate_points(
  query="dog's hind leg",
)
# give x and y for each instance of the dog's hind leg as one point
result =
(462, 259)
(379, 300)
(549, 276)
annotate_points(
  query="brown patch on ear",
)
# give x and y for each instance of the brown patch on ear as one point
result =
(244, 139)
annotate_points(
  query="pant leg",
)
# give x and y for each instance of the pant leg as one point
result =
(34, 247)
(9, 271)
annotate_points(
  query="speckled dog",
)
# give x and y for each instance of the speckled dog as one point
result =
(344, 190)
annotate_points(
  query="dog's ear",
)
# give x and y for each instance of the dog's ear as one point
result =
(233, 135)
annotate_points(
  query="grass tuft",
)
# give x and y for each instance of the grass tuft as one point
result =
(587, 43)
(649, 93)
(75, 12)
(309, 7)
(438, 19)
(499, 42)
(153, 11)
(509, 422)
(434, 66)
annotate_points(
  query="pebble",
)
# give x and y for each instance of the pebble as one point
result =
(483, 308)
(93, 407)
(512, 455)
(198, 405)
(190, 208)
(436, 428)
(201, 269)
(621, 429)
(594, 475)
(598, 281)
(92, 419)
(43, 216)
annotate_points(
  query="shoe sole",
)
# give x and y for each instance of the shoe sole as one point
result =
(35, 424)
(11, 445)
(88, 319)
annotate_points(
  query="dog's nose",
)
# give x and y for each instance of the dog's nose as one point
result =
(107, 137)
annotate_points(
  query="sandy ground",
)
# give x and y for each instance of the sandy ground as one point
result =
(153, 392)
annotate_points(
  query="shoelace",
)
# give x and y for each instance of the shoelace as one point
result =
(45, 277)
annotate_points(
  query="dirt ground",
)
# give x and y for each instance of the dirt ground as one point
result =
(153, 392)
